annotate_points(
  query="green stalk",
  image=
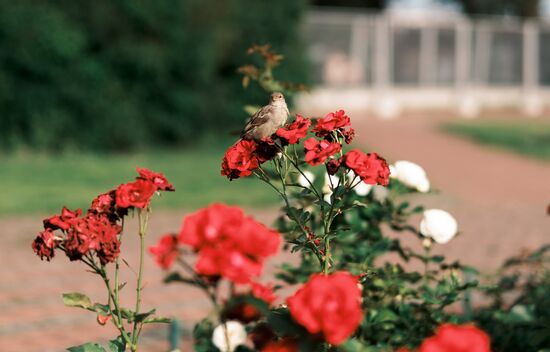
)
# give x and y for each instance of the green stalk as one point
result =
(142, 229)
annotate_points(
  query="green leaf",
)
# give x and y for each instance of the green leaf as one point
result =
(87, 347)
(142, 316)
(117, 345)
(76, 299)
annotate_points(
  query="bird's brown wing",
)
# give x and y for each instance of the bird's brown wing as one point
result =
(261, 117)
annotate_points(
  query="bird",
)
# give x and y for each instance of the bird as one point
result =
(267, 120)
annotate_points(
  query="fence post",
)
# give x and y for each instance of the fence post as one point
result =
(532, 103)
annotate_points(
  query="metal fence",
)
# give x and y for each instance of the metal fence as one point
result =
(491, 62)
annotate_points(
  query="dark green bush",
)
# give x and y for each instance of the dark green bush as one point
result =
(125, 74)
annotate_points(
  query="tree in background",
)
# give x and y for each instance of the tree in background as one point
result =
(125, 74)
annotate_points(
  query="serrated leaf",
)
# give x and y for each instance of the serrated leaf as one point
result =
(142, 316)
(76, 299)
(87, 347)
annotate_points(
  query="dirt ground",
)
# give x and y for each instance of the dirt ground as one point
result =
(498, 198)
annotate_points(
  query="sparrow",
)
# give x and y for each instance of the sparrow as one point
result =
(267, 120)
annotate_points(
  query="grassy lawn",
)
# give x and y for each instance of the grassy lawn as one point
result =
(526, 137)
(31, 183)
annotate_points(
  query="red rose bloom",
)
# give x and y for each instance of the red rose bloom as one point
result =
(285, 345)
(333, 166)
(229, 243)
(295, 131)
(266, 149)
(44, 244)
(158, 179)
(349, 135)
(104, 203)
(240, 160)
(457, 338)
(62, 221)
(166, 251)
(93, 233)
(135, 194)
(329, 305)
(319, 151)
(372, 168)
(331, 122)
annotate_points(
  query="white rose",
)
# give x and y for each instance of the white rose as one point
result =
(362, 189)
(303, 179)
(439, 225)
(236, 335)
(411, 174)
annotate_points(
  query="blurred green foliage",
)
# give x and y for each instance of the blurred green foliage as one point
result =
(125, 74)
(526, 137)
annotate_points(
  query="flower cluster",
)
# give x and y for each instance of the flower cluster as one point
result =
(97, 232)
(329, 305)
(229, 243)
(245, 156)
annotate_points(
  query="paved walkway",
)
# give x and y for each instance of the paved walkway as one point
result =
(498, 198)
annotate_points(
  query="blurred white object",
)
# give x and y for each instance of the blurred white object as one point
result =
(362, 189)
(411, 174)
(380, 193)
(469, 107)
(330, 182)
(236, 335)
(303, 179)
(438, 225)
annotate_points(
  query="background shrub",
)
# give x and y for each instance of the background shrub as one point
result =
(124, 74)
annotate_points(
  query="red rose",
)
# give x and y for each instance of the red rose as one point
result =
(229, 243)
(62, 221)
(331, 122)
(135, 194)
(349, 135)
(295, 131)
(104, 203)
(266, 149)
(319, 151)
(329, 305)
(45, 244)
(231, 264)
(210, 225)
(285, 345)
(166, 251)
(158, 179)
(457, 338)
(333, 166)
(372, 168)
(240, 160)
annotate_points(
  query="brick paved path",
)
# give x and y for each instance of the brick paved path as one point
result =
(498, 198)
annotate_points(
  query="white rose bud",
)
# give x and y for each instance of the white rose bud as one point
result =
(303, 179)
(411, 174)
(227, 341)
(439, 225)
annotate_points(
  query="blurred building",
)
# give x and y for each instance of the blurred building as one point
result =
(424, 55)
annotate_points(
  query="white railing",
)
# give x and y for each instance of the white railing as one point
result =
(390, 63)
